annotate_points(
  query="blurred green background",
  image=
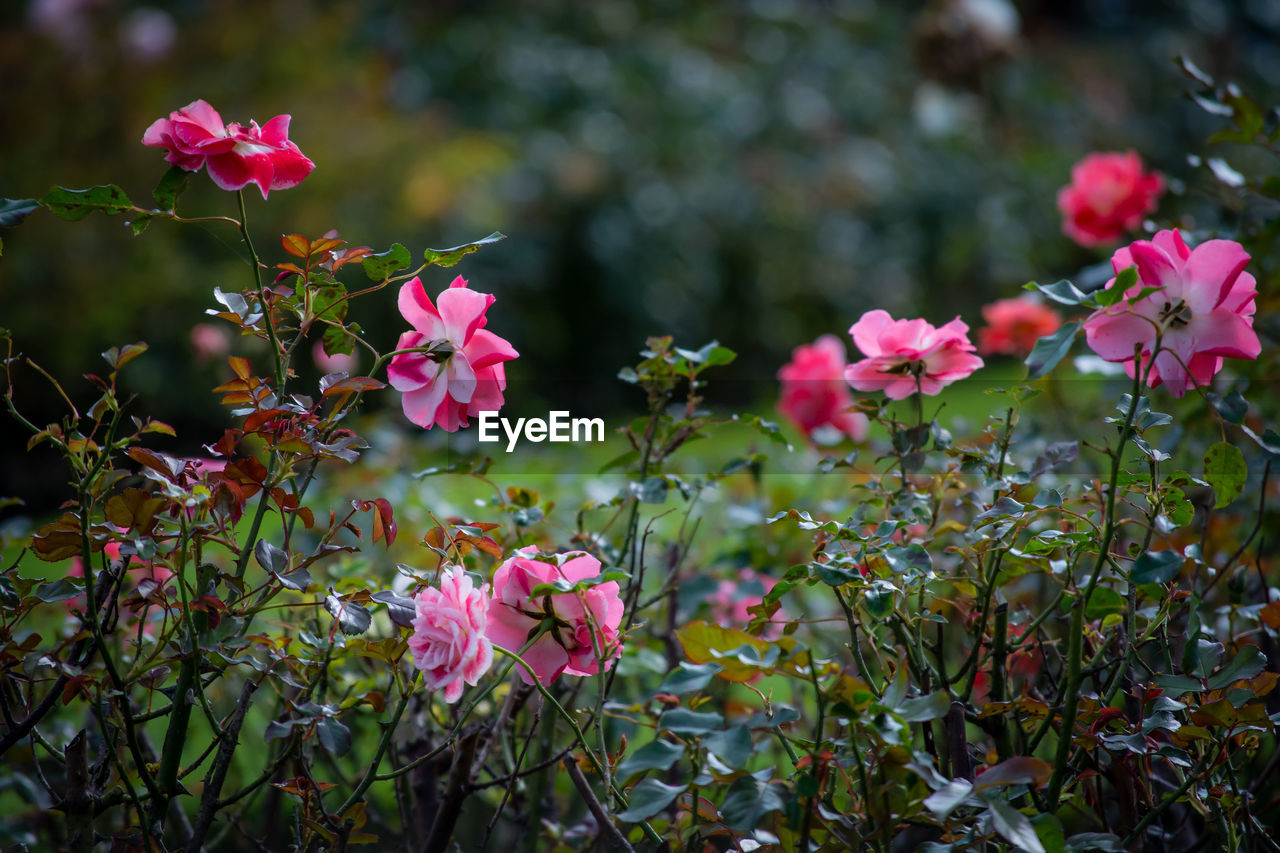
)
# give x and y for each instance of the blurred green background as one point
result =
(757, 172)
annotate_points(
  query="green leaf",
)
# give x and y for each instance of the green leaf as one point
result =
(74, 205)
(334, 735)
(732, 746)
(682, 721)
(651, 491)
(449, 257)
(1200, 658)
(1156, 567)
(1109, 296)
(1178, 684)
(337, 342)
(1050, 349)
(1247, 663)
(352, 618)
(904, 559)
(1226, 471)
(14, 210)
(748, 800)
(170, 187)
(929, 707)
(1232, 406)
(710, 355)
(60, 590)
(1103, 841)
(769, 429)
(647, 798)
(1268, 441)
(654, 755)
(1104, 602)
(689, 677)
(943, 801)
(270, 557)
(1014, 827)
(380, 266)
(1060, 291)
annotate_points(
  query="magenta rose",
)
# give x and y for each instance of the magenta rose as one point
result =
(574, 625)
(446, 391)
(814, 393)
(448, 643)
(1203, 307)
(905, 356)
(1108, 195)
(236, 156)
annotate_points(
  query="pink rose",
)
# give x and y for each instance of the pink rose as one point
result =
(469, 381)
(1203, 307)
(733, 599)
(905, 356)
(814, 393)
(1014, 325)
(210, 341)
(1108, 195)
(448, 643)
(574, 624)
(236, 156)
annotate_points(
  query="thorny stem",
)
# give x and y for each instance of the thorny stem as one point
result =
(1075, 633)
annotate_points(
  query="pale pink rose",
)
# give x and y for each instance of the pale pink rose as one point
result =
(577, 624)
(210, 341)
(1203, 307)
(1108, 195)
(905, 356)
(448, 643)
(1014, 325)
(733, 599)
(471, 380)
(814, 393)
(237, 156)
(341, 363)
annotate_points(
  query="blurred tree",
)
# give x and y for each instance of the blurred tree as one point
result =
(759, 172)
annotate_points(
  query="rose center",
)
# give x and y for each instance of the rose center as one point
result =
(1175, 315)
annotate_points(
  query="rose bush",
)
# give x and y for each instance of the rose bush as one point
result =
(1055, 629)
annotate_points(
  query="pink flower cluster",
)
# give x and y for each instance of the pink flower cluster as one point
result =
(236, 156)
(457, 625)
(1108, 195)
(903, 357)
(445, 389)
(1200, 308)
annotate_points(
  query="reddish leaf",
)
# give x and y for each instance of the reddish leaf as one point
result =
(384, 522)
(295, 244)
